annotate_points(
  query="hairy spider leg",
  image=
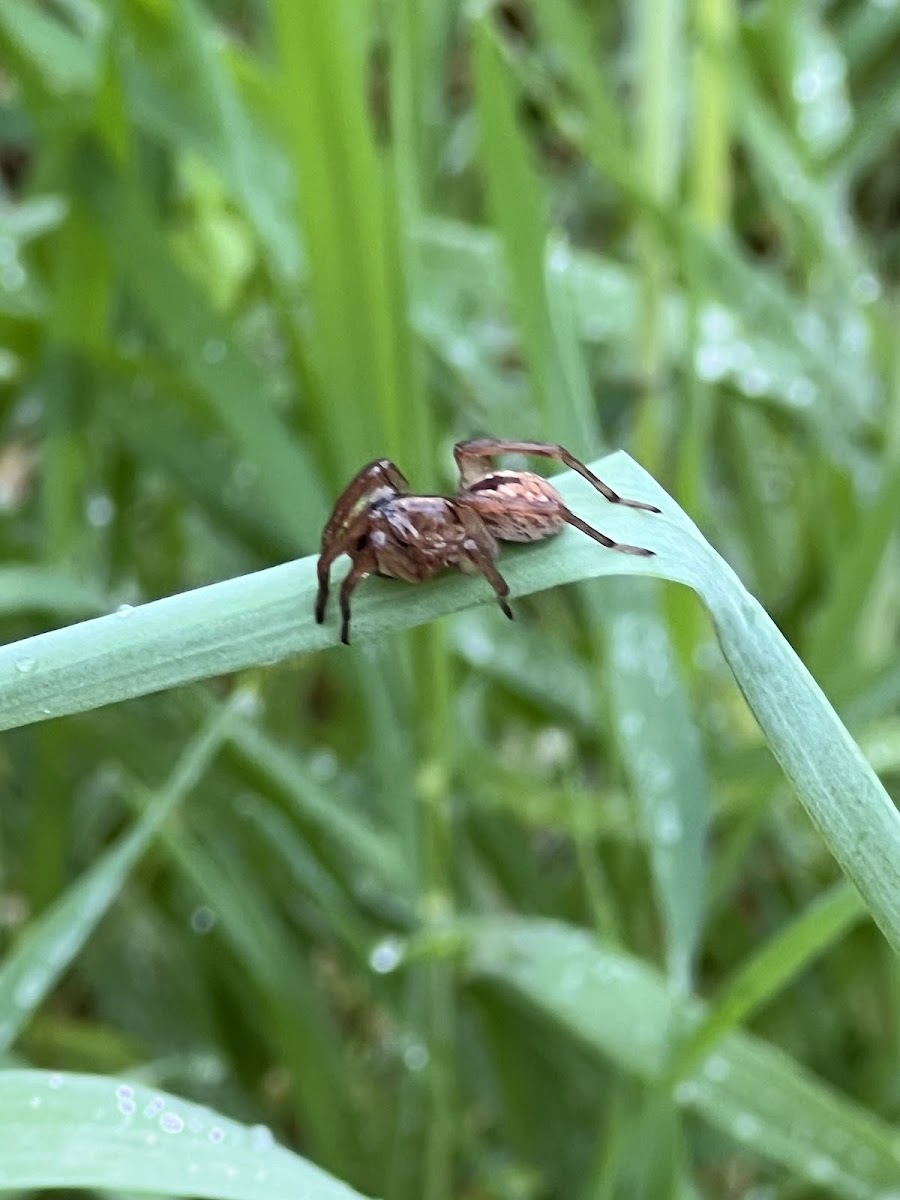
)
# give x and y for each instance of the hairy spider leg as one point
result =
(481, 549)
(375, 476)
(343, 542)
(484, 506)
(362, 567)
(469, 454)
(622, 547)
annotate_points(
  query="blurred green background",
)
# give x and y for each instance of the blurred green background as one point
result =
(246, 246)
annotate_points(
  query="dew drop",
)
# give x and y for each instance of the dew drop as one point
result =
(416, 1056)
(217, 1134)
(203, 919)
(25, 665)
(717, 1068)
(154, 1107)
(754, 381)
(170, 1122)
(248, 703)
(55, 1080)
(747, 1127)
(801, 392)
(323, 764)
(124, 610)
(261, 1137)
(865, 288)
(631, 723)
(822, 1169)
(687, 1092)
(386, 955)
(668, 827)
(100, 510)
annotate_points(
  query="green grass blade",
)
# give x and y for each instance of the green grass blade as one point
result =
(663, 760)
(518, 207)
(49, 590)
(233, 386)
(266, 617)
(50, 944)
(84, 1131)
(766, 972)
(753, 1093)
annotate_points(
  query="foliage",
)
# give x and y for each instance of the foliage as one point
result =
(387, 902)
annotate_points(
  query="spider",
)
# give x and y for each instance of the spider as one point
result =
(387, 531)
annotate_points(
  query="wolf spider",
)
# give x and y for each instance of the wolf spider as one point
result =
(387, 531)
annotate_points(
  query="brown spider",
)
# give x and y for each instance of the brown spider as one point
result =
(386, 531)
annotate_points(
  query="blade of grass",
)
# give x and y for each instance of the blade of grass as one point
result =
(765, 973)
(623, 1010)
(49, 945)
(663, 759)
(84, 1131)
(49, 590)
(268, 616)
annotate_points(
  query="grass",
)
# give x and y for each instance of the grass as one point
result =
(385, 902)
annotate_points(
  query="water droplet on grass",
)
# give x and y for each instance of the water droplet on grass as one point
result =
(416, 1056)
(261, 1137)
(386, 955)
(717, 1068)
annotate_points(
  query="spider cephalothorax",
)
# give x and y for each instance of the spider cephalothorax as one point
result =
(386, 531)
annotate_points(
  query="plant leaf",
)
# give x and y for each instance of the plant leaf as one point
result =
(265, 617)
(86, 1131)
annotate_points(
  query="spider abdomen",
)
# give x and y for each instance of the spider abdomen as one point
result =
(517, 506)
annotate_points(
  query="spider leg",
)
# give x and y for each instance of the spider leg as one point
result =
(481, 549)
(381, 474)
(343, 541)
(469, 454)
(361, 568)
(622, 547)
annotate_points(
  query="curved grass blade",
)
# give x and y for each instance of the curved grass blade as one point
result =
(48, 946)
(86, 1131)
(624, 1010)
(268, 616)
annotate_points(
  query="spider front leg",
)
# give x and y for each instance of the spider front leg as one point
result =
(348, 521)
(470, 455)
(343, 542)
(379, 476)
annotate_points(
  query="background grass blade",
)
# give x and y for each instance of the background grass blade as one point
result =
(71, 1131)
(36, 963)
(766, 972)
(622, 1009)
